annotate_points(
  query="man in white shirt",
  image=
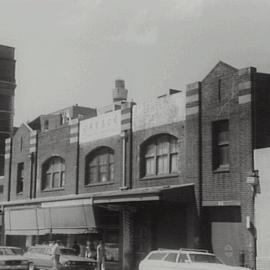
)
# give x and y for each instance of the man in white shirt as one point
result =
(55, 255)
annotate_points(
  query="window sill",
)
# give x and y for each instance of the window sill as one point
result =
(19, 193)
(52, 189)
(99, 184)
(221, 169)
(159, 176)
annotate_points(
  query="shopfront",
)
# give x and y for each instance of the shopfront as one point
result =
(150, 218)
(67, 221)
(130, 222)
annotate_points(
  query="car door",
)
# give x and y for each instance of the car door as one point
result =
(33, 256)
(42, 259)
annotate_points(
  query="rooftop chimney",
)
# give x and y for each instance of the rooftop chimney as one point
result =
(119, 93)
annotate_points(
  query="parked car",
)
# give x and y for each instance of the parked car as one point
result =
(41, 258)
(184, 259)
(11, 258)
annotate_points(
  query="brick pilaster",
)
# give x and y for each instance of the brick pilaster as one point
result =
(245, 100)
(128, 239)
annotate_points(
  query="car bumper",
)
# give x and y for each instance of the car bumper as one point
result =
(76, 267)
(14, 267)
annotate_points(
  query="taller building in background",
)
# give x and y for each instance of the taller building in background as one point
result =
(7, 89)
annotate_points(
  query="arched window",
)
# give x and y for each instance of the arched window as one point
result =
(160, 156)
(100, 166)
(53, 173)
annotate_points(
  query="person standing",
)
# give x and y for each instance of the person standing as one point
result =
(76, 247)
(90, 251)
(100, 256)
(55, 255)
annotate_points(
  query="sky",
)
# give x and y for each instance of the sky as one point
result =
(71, 51)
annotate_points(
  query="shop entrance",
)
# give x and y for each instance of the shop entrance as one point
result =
(159, 225)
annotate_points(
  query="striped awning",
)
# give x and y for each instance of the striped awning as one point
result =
(70, 217)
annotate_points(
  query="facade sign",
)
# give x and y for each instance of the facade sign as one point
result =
(102, 126)
(228, 251)
(162, 111)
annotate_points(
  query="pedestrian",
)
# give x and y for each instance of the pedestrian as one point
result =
(100, 256)
(76, 247)
(55, 255)
(90, 251)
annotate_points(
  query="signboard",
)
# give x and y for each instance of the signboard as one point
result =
(101, 126)
(228, 251)
(111, 252)
(162, 111)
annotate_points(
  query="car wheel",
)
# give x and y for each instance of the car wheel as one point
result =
(31, 266)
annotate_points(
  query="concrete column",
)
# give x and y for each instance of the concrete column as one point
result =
(193, 235)
(70, 240)
(128, 239)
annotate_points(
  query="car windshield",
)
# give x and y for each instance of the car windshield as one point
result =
(67, 251)
(204, 258)
(10, 251)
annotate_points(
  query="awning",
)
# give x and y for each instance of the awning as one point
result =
(71, 217)
(26, 221)
(64, 217)
(177, 193)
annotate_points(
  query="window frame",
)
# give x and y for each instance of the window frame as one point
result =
(102, 163)
(165, 150)
(20, 178)
(219, 144)
(52, 167)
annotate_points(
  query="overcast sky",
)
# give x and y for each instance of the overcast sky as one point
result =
(71, 51)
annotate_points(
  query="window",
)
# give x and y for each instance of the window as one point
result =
(171, 257)
(21, 144)
(160, 156)
(219, 90)
(182, 258)
(20, 177)
(46, 124)
(53, 175)
(157, 256)
(100, 166)
(221, 144)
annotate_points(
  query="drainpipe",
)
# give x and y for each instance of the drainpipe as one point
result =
(78, 160)
(124, 136)
(9, 170)
(31, 155)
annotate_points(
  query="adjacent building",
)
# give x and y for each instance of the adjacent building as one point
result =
(7, 89)
(177, 171)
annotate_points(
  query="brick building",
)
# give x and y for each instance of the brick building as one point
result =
(173, 172)
(7, 89)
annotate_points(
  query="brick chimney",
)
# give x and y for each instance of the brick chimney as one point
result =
(119, 93)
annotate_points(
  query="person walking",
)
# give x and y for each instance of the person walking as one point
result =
(100, 256)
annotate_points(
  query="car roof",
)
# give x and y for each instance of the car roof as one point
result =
(10, 247)
(185, 250)
(47, 246)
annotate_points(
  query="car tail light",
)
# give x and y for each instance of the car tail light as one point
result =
(68, 263)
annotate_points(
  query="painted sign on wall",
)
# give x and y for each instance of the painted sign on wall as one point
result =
(162, 111)
(102, 126)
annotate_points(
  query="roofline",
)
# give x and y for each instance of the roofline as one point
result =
(27, 126)
(219, 62)
(108, 194)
